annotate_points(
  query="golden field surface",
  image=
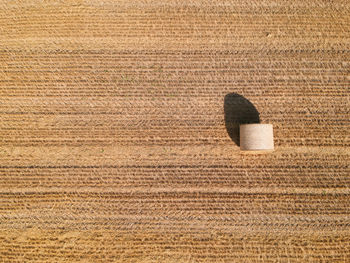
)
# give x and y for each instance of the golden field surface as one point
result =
(117, 131)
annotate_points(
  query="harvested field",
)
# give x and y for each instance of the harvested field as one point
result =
(118, 125)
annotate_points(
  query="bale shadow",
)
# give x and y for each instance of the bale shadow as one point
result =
(238, 110)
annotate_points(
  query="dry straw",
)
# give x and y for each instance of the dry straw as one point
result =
(256, 138)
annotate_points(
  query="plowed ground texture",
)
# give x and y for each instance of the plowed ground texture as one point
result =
(114, 145)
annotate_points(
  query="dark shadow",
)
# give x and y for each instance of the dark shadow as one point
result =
(238, 110)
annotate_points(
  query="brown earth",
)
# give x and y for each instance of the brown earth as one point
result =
(115, 146)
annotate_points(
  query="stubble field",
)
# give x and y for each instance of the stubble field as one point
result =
(115, 136)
